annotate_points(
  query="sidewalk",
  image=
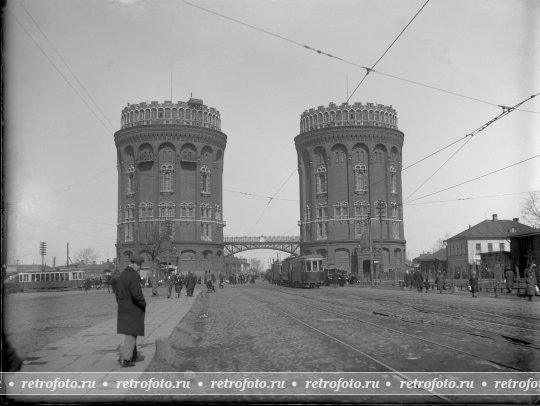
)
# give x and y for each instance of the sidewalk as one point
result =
(96, 349)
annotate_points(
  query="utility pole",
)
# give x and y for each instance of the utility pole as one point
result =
(381, 206)
(42, 252)
(370, 247)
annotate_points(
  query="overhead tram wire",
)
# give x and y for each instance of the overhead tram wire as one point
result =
(96, 105)
(270, 200)
(109, 130)
(368, 70)
(320, 52)
(472, 180)
(470, 198)
(506, 111)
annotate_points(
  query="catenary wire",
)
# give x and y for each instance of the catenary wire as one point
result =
(469, 136)
(470, 198)
(320, 52)
(96, 105)
(473, 179)
(270, 201)
(386, 51)
(61, 73)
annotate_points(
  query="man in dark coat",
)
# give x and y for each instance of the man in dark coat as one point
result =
(190, 283)
(131, 310)
(509, 275)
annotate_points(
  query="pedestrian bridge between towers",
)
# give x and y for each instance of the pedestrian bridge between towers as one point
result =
(234, 245)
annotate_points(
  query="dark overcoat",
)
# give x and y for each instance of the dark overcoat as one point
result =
(530, 281)
(191, 281)
(131, 303)
(509, 279)
(473, 283)
(440, 282)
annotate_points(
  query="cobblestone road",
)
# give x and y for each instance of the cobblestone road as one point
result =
(236, 329)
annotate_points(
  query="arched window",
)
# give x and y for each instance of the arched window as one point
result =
(130, 180)
(166, 177)
(167, 155)
(360, 178)
(206, 232)
(166, 210)
(359, 155)
(206, 211)
(205, 179)
(361, 209)
(395, 230)
(341, 210)
(340, 155)
(146, 155)
(394, 210)
(217, 212)
(393, 180)
(307, 213)
(320, 180)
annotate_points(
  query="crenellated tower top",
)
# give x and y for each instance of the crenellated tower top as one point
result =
(357, 114)
(193, 112)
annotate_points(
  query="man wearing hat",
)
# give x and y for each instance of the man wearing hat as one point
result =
(509, 275)
(131, 310)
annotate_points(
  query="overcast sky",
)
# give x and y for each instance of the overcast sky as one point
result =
(71, 66)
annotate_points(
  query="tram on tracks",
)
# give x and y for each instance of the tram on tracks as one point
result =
(305, 271)
(49, 279)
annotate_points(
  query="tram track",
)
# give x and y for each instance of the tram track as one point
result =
(414, 337)
(403, 375)
(509, 336)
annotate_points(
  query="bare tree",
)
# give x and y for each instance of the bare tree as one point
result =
(441, 242)
(256, 264)
(86, 256)
(530, 209)
(154, 241)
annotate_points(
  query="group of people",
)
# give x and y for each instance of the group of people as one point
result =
(177, 281)
(416, 280)
(126, 286)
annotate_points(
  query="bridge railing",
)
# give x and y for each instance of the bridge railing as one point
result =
(261, 239)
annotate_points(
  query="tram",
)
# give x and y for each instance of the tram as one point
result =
(50, 279)
(306, 271)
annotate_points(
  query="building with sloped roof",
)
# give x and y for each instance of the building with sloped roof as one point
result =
(464, 250)
(431, 263)
(525, 249)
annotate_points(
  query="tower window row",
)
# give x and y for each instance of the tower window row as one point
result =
(167, 180)
(341, 211)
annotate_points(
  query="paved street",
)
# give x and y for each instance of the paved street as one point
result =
(264, 327)
(267, 328)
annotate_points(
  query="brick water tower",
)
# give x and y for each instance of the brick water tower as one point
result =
(349, 164)
(170, 166)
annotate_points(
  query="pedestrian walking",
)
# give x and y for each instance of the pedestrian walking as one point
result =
(418, 280)
(426, 284)
(439, 281)
(170, 284)
(530, 283)
(509, 275)
(473, 283)
(221, 278)
(407, 279)
(178, 284)
(537, 276)
(131, 311)
(190, 283)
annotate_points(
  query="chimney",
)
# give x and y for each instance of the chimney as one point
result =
(515, 219)
(495, 217)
